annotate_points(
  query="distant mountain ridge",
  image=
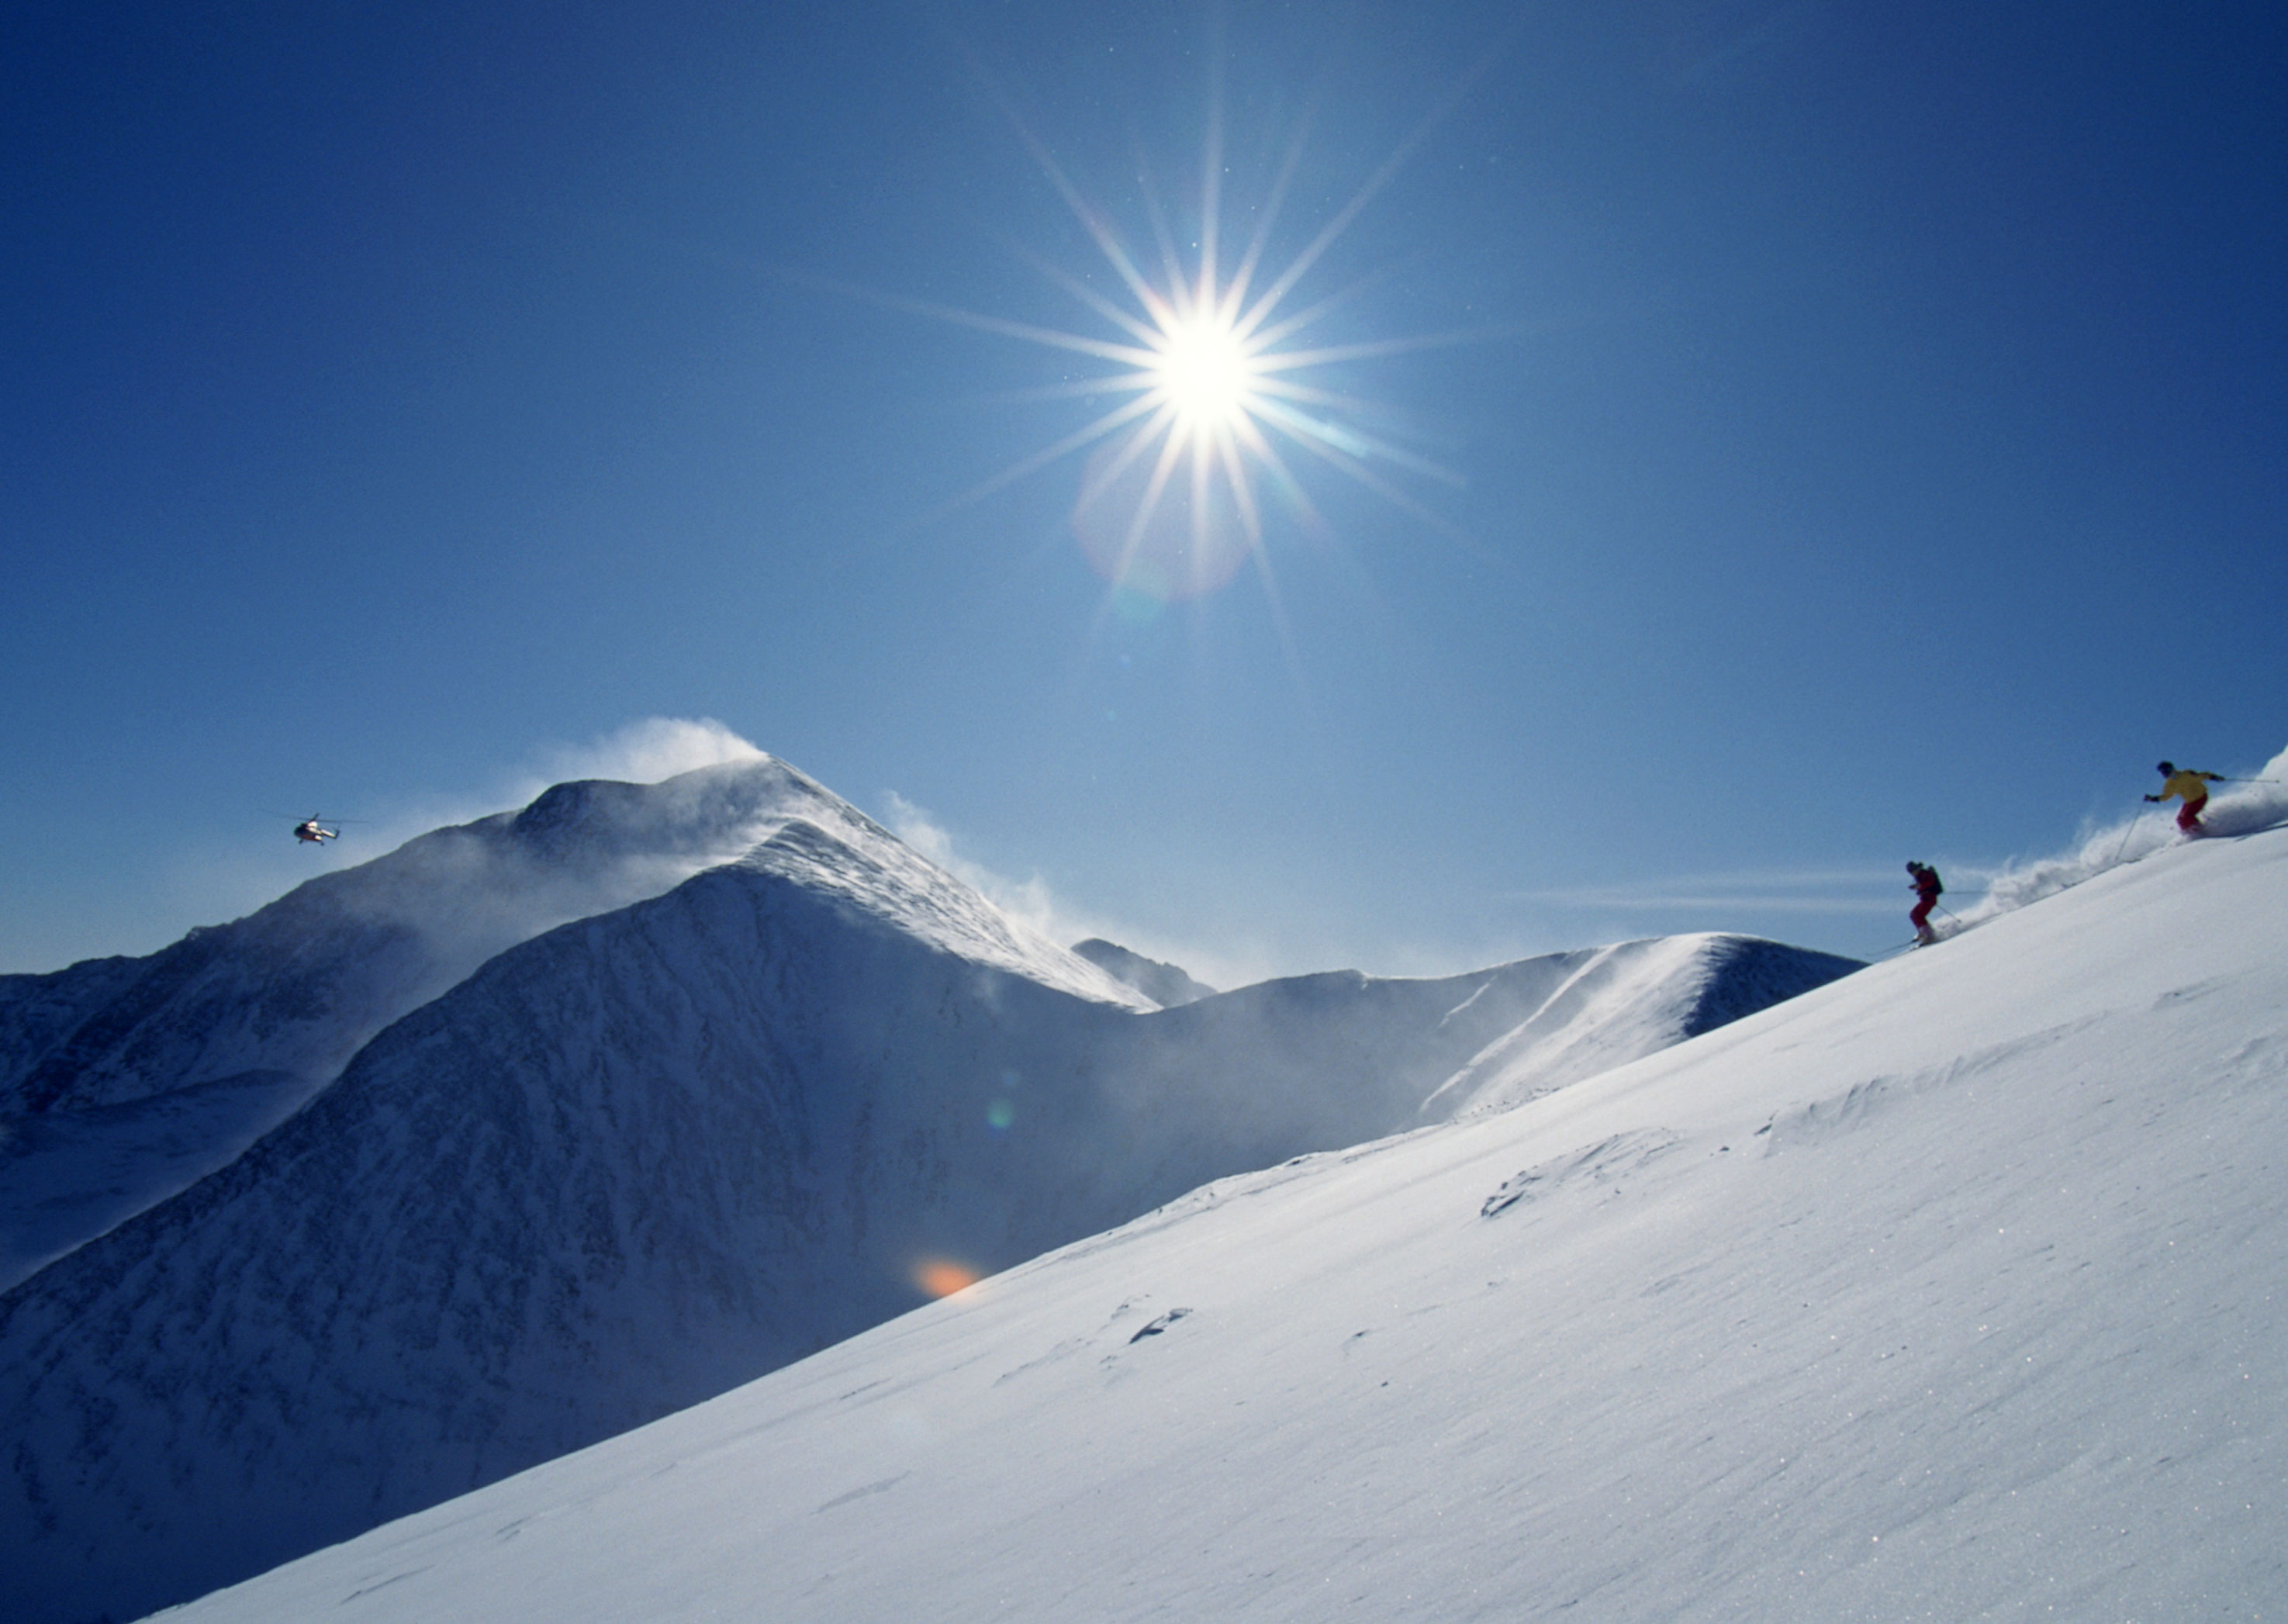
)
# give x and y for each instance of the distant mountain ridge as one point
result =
(636, 1158)
(1615, 1004)
(1165, 985)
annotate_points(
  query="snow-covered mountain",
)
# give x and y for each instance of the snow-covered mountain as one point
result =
(625, 1163)
(121, 1080)
(1950, 1290)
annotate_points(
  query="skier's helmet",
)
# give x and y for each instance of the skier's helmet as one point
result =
(2167, 766)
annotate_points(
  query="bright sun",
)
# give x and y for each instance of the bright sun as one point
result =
(1204, 372)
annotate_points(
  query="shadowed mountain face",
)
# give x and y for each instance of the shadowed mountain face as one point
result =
(1747, 974)
(645, 1156)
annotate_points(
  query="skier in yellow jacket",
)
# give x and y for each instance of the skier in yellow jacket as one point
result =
(2191, 784)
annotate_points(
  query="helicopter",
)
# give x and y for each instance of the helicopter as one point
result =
(315, 831)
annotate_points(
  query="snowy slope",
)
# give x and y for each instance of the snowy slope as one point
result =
(642, 1158)
(121, 1080)
(1950, 1290)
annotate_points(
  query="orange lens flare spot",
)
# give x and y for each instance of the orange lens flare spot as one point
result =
(942, 1277)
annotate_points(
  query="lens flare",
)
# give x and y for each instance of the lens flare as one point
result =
(942, 1277)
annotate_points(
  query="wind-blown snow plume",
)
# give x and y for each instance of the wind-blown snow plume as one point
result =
(1232, 958)
(502, 891)
(645, 752)
(1029, 902)
(2255, 801)
(648, 750)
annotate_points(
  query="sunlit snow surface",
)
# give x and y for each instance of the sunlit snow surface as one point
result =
(1952, 1290)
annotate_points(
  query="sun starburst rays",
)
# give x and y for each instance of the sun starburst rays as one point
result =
(1173, 499)
(1205, 360)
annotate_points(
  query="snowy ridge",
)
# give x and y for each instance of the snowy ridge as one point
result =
(876, 873)
(1939, 1291)
(1616, 1004)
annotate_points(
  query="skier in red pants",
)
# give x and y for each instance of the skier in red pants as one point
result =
(1927, 894)
(2191, 784)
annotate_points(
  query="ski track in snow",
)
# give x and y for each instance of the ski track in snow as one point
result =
(1949, 1290)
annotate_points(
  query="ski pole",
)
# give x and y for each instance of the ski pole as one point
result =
(2125, 834)
(2248, 780)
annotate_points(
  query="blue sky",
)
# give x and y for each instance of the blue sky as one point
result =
(1869, 447)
